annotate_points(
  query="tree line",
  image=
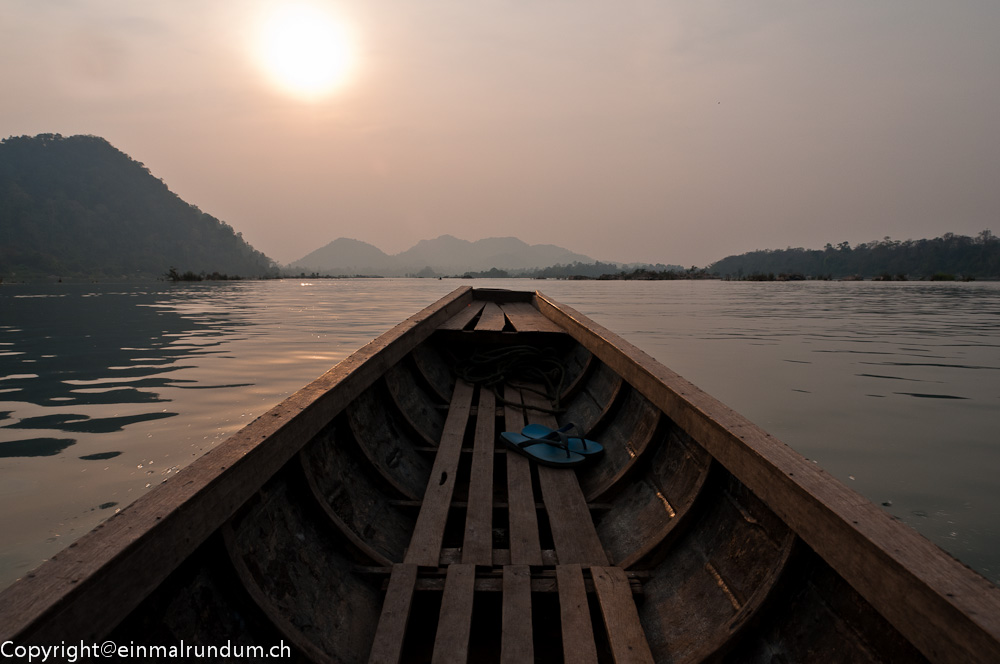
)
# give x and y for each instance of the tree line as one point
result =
(950, 256)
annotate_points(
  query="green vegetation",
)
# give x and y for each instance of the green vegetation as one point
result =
(76, 207)
(173, 275)
(954, 256)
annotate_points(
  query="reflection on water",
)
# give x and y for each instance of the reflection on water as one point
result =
(892, 388)
(108, 390)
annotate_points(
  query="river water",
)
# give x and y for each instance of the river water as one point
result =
(107, 390)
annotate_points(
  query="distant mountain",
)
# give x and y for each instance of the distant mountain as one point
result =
(77, 207)
(345, 256)
(444, 255)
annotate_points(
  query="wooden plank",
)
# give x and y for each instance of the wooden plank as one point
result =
(463, 317)
(451, 645)
(525, 546)
(950, 613)
(425, 544)
(492, 319)
(572, 527)
(621, 619)
(477, 547)
(574, 614)
(525, 318)
(388, 645)
(516, 644)
(79, 593)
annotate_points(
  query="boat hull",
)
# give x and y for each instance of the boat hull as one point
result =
(376, 516)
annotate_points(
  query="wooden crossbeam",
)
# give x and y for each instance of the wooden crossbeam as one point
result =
(477, 547)
(492, 319)
(462, 318)
(525, 318)
(621, 619)
(516, 639)
(428, 533)
(451, 645)
(388, 645)
(525, 547)
(574, 614)
(573, 531)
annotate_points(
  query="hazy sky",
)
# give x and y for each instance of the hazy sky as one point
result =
(675, 132)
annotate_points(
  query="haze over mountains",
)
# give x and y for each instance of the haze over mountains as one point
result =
(77, 207)
(445, 255)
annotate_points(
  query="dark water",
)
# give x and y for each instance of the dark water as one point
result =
(107, 390)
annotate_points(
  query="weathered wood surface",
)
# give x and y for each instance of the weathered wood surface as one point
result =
(592, 404)
(492, 319)
(621, 620)
(478, 544)
(385, 439)
(297, 573)
(435, 371)
(451, 645)
(651, 506)
(721, 570)
(574, 613)
(516, 645)
(625, 438)
(525, 548)
(578, 365)
(572, 528)
(388, 645)
(461, 319)
(414, 403)
(79, 593)
(425, 545)
(346, 488)
(525, 318)
(951, 614)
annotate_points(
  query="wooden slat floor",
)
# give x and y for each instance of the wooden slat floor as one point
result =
(576, 570)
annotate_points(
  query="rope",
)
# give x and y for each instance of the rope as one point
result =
(522, 364)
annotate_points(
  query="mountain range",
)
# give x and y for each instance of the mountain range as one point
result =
(444, 255)
(79, 208)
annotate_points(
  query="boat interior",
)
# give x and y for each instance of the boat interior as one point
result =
(405, 530)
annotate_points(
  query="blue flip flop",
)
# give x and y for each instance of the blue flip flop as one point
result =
(559, 438)
(543, 452)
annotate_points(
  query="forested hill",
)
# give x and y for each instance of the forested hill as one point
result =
(77, 207)
(951, 256)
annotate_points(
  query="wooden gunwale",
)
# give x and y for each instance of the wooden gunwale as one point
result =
(79, 593)
(950, 614)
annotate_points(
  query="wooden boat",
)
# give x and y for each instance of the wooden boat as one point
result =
(373, 516)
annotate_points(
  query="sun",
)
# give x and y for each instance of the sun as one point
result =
(304, 50)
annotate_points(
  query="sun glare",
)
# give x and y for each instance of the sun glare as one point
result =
(304, 50)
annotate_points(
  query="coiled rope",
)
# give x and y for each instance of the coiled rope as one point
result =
(516, 365)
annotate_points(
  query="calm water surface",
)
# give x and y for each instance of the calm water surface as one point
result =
(107, 390)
